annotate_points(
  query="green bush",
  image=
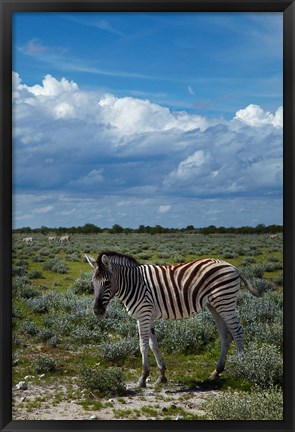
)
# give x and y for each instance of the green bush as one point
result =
(254, 405)
(23, 288)
(83, 285)
(263, 285)
(260, 364)
(54, 341)
(117, 351)
(254, 271)
(36, 275)
(109, 381)
(30, 328)
(45, 334)
(279, 280)
(186, 336)
(42, 304)
(253, 310)
(56, 265)
(44, 364)
(264, 332)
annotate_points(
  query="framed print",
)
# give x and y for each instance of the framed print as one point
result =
(147, 208)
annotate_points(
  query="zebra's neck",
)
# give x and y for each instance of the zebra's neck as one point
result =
(130, 288)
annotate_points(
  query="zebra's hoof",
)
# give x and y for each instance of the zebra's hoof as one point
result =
(161, 380)
(141, 384)
(214, 376)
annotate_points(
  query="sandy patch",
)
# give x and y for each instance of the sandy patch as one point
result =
(55, 402)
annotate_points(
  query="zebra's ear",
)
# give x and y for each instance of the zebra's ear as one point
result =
(106, 262)
(91, 261)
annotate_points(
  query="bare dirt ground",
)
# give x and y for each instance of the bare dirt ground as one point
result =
(53, 401)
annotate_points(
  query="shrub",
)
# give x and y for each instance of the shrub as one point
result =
(263, 285)
(83, 285)
(262, 365)
(19, 271)
(54, 341)
(73, 257)
(254, 271)
(248, 260)
(265, 332)
(38, 258)
(254, 405)
(165, 254)
(44, 364)
(186, 336)
(279, 280)
(23, 288)
(115, 352)
(45, 334)
(253, 310)
(273, 266)
(56, 265)
(144, 255)
(36, 275)
(227, 254)
(109, 381)
(30, 328)
(42, 304)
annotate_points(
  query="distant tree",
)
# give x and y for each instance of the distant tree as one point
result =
(89, 229)
(260, 228)
(116, 229)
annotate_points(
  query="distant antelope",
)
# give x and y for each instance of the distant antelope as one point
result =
(28, 240)
(51, 238)
(65, 238)
(273, 236)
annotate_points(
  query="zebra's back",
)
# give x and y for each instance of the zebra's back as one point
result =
(180, 290)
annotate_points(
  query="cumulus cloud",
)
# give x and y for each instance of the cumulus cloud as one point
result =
(69, 139)
(131, 115)
(254, 115)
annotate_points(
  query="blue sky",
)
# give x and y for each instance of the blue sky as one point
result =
(147, 118)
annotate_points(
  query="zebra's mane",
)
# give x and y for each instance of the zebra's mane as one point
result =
(118, 258)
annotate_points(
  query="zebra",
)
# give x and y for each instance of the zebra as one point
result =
(178, 291)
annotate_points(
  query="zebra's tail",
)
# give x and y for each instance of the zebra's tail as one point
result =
(257, 292)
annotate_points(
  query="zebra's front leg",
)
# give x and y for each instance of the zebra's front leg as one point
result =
(161, 365)
(144, 330)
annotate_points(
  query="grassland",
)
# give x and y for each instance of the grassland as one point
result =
(70, 359)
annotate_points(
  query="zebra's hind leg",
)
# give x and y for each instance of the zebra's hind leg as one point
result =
(155, 348)
(234, 326)
(225, 338)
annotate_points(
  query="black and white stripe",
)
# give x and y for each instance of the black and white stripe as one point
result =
(171, 292)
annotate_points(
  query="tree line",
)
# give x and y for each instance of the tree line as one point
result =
(157, 229)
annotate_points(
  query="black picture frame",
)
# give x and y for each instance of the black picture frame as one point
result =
(7, 8)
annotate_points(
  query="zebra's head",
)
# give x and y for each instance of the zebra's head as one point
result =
(102, 285)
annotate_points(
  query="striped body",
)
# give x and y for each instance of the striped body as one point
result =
(171, 292)
(179, 291)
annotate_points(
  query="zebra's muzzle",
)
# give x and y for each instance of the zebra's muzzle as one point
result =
(99, 311)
